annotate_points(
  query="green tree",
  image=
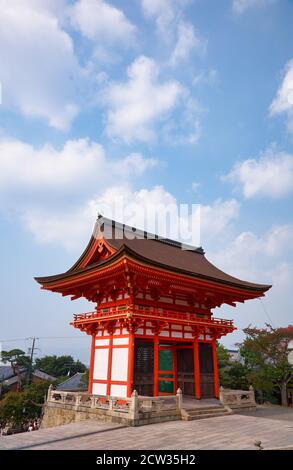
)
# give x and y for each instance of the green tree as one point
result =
(231, 374)
(265, 352)
(18, 408)
(59, 366)
(17, 360)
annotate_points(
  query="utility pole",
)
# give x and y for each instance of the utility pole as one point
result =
(31, 360)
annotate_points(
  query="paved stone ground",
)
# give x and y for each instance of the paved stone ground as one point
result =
(270, 426)
(272, 412)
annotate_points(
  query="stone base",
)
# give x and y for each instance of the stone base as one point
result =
(57, 414)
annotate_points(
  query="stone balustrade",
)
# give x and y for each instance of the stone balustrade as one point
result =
(132, 410)
(238, 399)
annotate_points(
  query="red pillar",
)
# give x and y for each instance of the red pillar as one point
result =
(196, 370)
(92, 363)
(156, 365)
(216, 372)
(130, 369)
(109, 372)
(175, 369)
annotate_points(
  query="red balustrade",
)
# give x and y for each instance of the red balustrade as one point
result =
(151, 312)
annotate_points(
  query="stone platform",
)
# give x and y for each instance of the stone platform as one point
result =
(272, 426)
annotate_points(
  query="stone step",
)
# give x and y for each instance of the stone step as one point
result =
(203, 412)
(204, 416)
(204, 408)
(243, 405)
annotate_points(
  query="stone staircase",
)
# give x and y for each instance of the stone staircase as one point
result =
(202, 412)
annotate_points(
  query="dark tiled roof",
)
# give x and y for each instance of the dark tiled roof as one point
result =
(43, 375)
(6, 372)
(74, 383)
(164, 253)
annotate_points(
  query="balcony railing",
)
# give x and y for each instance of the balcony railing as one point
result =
(150, 313)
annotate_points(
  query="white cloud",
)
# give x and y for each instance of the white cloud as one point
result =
(258, 258)
(241, 6)
(174, 29)
(271, 175)
(77, 164)
(100, 21)
(144, 208)
(72, 228)
(162, 11)
(195, 186)
(188, 41)
(216, 219)
(265, 259)
(136, 105)
(283, 102)
(39, 69)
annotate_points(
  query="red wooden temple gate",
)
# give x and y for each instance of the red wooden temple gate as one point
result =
(153, 329)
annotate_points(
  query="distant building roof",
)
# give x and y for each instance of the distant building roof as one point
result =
(8, 378)
(235, 355)
(6, 372)
(73, 384)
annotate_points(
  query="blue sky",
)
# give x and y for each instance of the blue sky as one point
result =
(153, 100)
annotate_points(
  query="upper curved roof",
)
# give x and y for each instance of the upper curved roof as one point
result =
(146, 247)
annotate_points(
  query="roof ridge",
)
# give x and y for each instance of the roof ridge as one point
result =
(147, 235)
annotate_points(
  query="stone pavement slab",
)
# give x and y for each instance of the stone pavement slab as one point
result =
(224, 432)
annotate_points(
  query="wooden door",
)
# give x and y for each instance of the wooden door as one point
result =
(206, 370)
(185, 371)
(144, 368)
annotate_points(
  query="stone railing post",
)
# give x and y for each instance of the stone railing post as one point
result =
(222, 394)
(49, 395)
(93, 402)
(179, 399)
(111, 404)
(252, 394)
(77, 399)
(134, 406)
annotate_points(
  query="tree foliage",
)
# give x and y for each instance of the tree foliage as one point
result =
(265, 352)
(18, 360)
(18, 408)
(60, 366)
(231, 374)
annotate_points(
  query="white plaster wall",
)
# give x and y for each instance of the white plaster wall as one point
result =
(176, 327)
(99, 389)
(101, 364)
(176, 334)
(164, 333)
(188, 335)
(119, 364)
(102, 342)
(120, 341)
(119, 391)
